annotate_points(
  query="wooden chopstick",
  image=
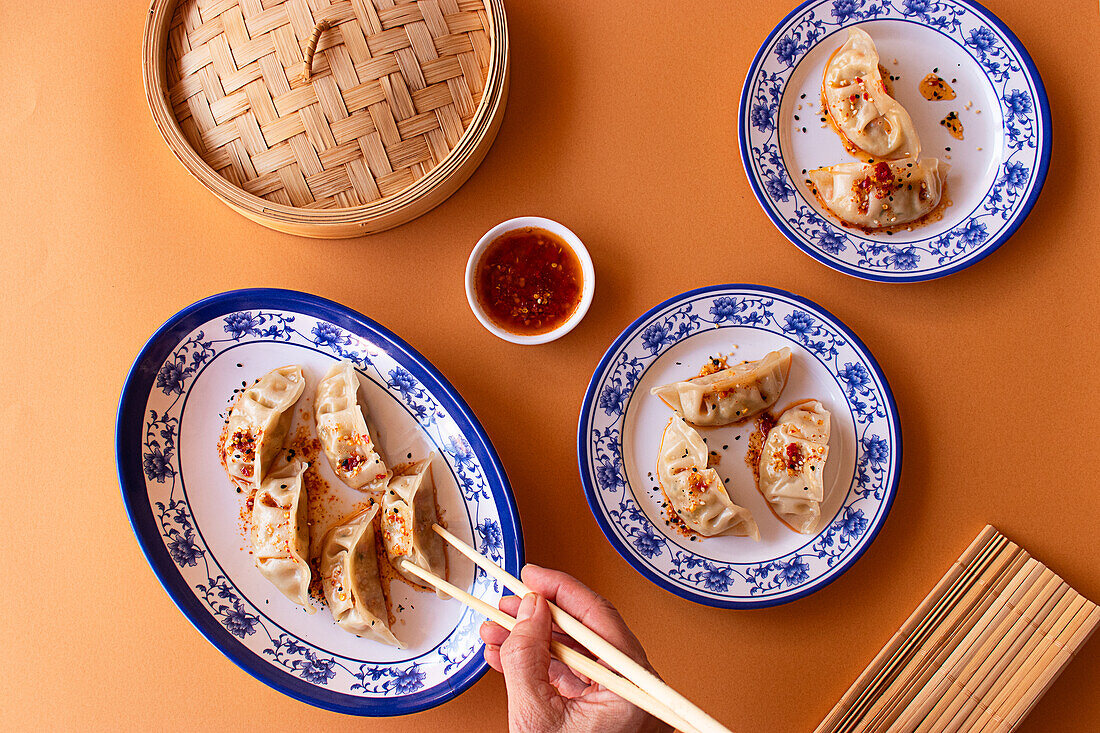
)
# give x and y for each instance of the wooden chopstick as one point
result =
(593, 642)
(586, 666)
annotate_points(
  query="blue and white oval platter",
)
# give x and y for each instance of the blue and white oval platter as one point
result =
(997, 170)
(621, 426)
(192, 526)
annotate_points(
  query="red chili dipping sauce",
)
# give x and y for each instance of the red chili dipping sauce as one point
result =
(529, 281)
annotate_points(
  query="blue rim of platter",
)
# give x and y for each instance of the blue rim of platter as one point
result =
(1025, 114)
(878, 461)
(132, 479)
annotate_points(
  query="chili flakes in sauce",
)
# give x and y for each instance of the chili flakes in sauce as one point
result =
(954, 125)
(935, 89)
(529, 281)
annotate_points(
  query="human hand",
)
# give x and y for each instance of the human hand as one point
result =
(544, 695)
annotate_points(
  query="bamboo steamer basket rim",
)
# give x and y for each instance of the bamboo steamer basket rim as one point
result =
(389, 210)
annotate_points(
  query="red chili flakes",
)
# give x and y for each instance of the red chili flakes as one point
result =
(529, 281)
(243, 441)
(351, 463)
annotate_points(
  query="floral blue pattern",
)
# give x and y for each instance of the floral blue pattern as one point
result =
(216, 590)
(1009, 199)
(643, 541)
(383, 679)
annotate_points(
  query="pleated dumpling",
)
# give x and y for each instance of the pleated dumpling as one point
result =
(792, 465)
(695, 492)
(732, 394)
(880, 195)
(351, 579)
(280, 532)
(408, 513)
(342, 429)
(869, 121)
(258, 423)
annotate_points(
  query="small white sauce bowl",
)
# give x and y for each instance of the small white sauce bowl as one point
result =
(588, 274)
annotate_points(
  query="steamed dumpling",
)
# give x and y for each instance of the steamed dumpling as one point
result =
(880, 195)
(280, 532)
(408, 513)
(343, 432)
(868, 119)
(695, 492)
(351, 580)
(732, 394)
(258, 424)
(792, 465)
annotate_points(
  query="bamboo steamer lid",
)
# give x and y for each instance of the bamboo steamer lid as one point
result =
(328, 118)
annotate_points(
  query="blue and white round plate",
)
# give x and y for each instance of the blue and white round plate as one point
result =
(192, 524)
(997, 170)
(621, 426)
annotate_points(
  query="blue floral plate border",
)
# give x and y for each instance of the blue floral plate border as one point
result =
(505, 542)
(1024, 109)
(729, 583)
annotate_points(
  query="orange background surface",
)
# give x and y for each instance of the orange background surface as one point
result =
(621, 125)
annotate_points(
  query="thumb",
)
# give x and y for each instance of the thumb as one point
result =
(525, 660)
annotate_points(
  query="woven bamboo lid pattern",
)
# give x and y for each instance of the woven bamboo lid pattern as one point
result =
(356, 108)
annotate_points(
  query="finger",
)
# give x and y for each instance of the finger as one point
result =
(492, 633)
(510, 605)
(585, 605)
(492, 656)
(525, 654)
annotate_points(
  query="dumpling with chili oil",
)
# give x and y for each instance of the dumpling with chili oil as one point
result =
(694, 491)
(792, 465)
(729, 395)
(258, 423)
(351, 580)
(280, 532)
(869, 121)
(408, 513)
(342, 429)
(880, 195)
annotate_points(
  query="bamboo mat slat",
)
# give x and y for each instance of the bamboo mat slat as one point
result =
(977, 653)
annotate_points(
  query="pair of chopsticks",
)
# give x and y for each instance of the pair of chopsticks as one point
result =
(637, 685)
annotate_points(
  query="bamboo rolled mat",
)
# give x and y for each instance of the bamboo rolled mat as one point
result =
(977, 653)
